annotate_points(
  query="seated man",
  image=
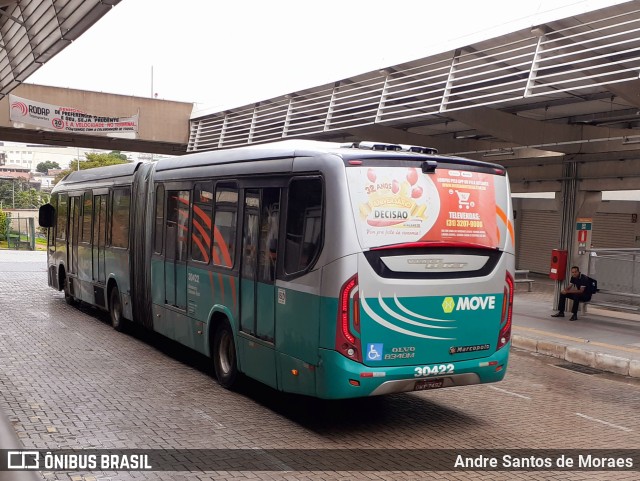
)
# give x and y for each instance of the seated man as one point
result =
(577, 292)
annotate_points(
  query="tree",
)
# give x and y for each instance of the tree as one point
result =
(45, 166)
(102, 160)
(10, 192)
(92, 161)
(3, 225)
(20, 194)
(30, 199)
(118, 154)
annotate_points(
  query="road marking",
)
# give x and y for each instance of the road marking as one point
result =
(509, 392)
(204, 415)
(576, 339)
(604, 422)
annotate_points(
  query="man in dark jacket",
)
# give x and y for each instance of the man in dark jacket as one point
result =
(577, 292)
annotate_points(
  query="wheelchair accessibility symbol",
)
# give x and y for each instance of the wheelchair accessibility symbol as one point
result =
(374, 352)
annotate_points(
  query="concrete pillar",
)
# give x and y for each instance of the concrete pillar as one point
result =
(587, 205)
(517, 212)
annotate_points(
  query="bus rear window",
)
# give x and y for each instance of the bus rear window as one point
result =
(396, 205)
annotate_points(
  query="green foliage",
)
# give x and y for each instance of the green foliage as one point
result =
(118, 154)
(19, 194)
(44, 166)
(92, 161)
(102, 160)
(3, 225)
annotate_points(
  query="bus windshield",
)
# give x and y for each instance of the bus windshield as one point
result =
(397, 205)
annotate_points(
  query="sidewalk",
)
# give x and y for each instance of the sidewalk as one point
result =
(601, 338)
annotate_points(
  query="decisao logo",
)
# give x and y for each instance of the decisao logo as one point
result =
(468, 303)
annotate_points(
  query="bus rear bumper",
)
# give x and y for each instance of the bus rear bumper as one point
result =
(339, 377)
(405, 385)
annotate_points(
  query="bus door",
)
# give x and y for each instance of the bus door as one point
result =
(257, 283)
(75, 204)
(176, 236)
(99, 237)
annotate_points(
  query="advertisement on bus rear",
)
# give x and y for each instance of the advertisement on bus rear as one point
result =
(399, 205)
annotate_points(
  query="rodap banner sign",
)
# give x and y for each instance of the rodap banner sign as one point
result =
(70, 120)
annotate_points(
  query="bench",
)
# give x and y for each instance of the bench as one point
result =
(522, 276)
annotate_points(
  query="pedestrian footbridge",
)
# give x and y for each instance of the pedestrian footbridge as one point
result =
(37, 114)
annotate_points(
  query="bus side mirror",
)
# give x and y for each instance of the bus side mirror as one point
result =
(46, 215)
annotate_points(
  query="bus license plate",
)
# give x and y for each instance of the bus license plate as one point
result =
(425, 384)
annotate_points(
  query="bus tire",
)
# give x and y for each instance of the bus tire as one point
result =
(224, 356)
(68, 298)
(115, 310)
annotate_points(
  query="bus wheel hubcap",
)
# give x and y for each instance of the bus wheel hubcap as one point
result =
(226, 355)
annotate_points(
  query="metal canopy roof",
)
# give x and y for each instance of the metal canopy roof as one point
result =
(33, 31)
(567, 87)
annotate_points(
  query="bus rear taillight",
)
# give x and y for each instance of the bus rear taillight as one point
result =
(347, 343)
(507, 313)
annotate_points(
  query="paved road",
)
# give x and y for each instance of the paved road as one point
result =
(67, 380)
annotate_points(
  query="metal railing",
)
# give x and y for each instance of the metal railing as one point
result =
(618, 274)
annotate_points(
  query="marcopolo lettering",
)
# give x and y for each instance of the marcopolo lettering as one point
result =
(476, 302)
(38, 110)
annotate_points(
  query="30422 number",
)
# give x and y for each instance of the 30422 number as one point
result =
(434, 370)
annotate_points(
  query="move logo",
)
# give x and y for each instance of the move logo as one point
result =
(448, 305)
(468, 303)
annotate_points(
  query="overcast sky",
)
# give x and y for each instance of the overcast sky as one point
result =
(230, 53)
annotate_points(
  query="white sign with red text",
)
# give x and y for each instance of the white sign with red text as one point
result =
(69, 120)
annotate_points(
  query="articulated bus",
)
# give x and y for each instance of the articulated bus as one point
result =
(330, 270)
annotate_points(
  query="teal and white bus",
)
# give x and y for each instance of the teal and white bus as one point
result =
(324, 269)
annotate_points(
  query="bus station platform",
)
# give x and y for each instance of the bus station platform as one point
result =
(603, 339)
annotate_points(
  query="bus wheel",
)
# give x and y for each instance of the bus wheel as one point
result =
(69, 299)
(115, 310)
(224, 357)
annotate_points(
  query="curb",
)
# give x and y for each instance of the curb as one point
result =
(575, 355)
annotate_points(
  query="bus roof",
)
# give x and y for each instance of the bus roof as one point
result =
(306, 148)
(100, 173)
(276, 150)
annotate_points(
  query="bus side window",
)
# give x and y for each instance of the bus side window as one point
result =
(87, 215)
(269, 228)
(159, 220)
(178, 204)
(61, 224)
(201, 222)
(120, 217)
(225, 225)
(304, 224)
